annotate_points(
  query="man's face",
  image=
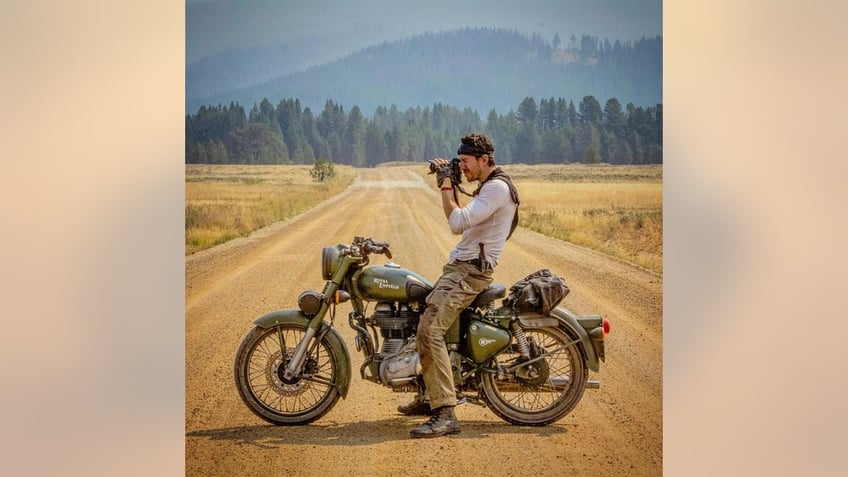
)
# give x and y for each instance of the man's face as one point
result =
(472, 166)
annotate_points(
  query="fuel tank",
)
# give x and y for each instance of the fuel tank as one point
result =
(392, 283)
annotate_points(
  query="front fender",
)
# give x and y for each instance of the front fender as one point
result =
(334, 341)
(280, 317)
(573, 324)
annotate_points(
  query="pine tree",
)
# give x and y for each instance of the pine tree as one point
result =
(590, 110)
(527, 145)
(375, 145)
(614, 118)
(527, 111)
(353, 141)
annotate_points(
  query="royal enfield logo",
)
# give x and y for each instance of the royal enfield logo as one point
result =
(383, 283)
(485, 341)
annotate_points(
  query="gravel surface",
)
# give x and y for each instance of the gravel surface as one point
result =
(614, 430)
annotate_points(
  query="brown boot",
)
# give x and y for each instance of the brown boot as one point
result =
(441, 423)
(418, 407)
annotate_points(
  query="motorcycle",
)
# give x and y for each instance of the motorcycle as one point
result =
(529, 368)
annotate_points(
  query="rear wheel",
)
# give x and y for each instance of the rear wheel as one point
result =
(259, 372)
(542, 392)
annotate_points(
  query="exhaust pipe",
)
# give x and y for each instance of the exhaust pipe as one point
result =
(554, 384)
(561, 382)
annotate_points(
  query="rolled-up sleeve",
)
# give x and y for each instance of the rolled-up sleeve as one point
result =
(491, 197)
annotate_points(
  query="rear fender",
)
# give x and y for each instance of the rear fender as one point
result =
(578, 327)
(292, 316)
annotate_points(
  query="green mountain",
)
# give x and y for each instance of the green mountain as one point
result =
(477, 68)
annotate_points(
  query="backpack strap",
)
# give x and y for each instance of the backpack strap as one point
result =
(499, 174)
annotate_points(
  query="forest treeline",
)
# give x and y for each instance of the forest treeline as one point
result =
(545, 131)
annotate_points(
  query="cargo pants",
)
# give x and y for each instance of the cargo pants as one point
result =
(459, 284)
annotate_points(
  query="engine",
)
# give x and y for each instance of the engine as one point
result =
(398, 358)
(396, 321)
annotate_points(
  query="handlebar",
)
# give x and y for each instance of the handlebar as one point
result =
(366, 246)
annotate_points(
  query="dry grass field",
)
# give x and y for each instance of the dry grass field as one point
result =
(228, 201)
(616, 210)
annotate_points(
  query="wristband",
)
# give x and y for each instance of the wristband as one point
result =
(447, 188)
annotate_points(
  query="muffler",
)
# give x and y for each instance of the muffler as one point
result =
(561, 382)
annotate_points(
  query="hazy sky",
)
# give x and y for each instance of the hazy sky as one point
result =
(345, 26)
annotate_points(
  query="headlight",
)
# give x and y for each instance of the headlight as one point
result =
(331, 258)
(310, 302)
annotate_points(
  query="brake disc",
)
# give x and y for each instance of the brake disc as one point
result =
(274, 372)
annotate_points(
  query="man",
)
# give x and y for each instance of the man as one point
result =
(485, 224)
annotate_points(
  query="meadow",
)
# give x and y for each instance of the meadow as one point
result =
(223, 202)
(616, 210)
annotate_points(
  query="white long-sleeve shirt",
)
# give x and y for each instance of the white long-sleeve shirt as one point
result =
(486, 219)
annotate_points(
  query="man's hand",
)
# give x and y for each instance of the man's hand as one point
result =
(442, 172)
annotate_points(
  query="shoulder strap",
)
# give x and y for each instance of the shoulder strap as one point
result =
(500, 175)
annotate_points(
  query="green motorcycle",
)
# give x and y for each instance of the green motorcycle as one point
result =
(529, 368)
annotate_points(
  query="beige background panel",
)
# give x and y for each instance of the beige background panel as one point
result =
(92, 194)
(754, 174)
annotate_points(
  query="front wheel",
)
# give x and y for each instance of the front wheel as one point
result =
(542, 392)
(259, 372)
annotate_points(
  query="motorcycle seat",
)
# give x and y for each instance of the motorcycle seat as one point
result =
(490, 294)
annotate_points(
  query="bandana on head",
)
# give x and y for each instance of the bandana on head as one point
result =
(470, 150)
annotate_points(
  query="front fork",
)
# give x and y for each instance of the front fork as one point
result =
(294, 366)
(296, 363)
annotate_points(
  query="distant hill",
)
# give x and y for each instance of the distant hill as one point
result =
(480, 68)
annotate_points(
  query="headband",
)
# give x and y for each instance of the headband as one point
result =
(470, 150)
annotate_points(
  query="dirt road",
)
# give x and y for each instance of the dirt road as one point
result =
(614, 430)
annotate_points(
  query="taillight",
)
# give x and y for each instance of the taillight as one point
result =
(606, 326)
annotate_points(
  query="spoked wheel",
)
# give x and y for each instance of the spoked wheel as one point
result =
(541, 392)
(259, 371)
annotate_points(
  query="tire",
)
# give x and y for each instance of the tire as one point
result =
(260, 359)
(551, 395)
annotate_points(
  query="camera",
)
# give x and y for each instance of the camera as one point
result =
(450, 169)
